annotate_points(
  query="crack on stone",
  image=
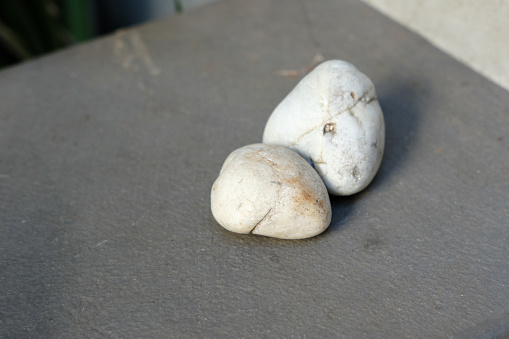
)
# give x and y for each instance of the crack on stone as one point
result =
(368, 100)
(300, 137)
(318, 161)
(259, 222)
(273, 166)
(365, 99)
(359, 122)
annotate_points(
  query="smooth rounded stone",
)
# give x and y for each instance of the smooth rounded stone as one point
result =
(332, 118)
(271, 191)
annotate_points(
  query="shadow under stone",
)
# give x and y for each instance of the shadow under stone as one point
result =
(403, 103)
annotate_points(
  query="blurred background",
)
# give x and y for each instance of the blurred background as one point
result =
(29, 28)
(472, 31)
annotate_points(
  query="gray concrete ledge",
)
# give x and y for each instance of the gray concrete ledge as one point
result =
(108, 151)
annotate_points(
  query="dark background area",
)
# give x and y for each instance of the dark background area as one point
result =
(31, 28)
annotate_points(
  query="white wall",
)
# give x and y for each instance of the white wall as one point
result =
(161, 8)
(475, 32)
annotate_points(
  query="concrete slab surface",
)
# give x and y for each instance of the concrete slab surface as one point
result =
(108, 151)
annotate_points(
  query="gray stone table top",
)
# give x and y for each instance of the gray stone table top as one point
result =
(108, 151)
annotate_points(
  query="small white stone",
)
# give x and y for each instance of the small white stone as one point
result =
(271, 191)
(332, 118)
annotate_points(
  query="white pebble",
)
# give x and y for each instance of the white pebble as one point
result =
(271, 191)
(332, 118)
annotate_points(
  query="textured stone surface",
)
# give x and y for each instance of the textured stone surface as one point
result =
(270, 190)
(108, 152)
(333, 119)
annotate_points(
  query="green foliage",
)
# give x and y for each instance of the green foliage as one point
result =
(30, 28)
(178, 6)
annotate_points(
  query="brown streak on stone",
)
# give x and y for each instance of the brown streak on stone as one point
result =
(304, 196)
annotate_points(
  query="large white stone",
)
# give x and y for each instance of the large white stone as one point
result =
(271, 191)
(332, 118)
